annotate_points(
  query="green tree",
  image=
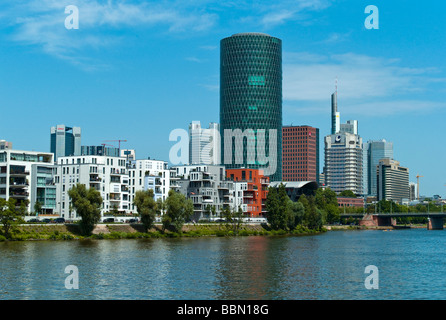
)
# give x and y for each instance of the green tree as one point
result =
(332, 213)
(313, 216)
(234, 218)
(295, 214)
(38, 207)
(179, 209)
(87, 203)
(277, 203)
(9, 216)
(146, 207)
(347, 193)
(325, 197)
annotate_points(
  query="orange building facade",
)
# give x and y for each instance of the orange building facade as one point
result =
(257, 189)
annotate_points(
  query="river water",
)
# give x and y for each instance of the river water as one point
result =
(411, 264)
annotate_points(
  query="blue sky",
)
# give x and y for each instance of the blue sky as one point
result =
(136, 70)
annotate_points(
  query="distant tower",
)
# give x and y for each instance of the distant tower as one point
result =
(335, 115)
(65, 141)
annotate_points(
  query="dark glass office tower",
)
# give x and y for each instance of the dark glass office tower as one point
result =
(251, 102)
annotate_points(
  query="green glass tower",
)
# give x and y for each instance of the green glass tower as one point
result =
(251, 103)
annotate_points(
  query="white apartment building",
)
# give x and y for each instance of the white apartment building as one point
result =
(28, 177)
(106, 174)
(149, 174)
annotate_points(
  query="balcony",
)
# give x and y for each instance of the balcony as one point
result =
(14, 194)
(118, 172)
(19, 173)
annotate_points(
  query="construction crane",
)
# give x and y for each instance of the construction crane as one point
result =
(418, 186)
(119, 141)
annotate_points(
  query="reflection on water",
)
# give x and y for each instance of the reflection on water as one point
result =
(329, 266)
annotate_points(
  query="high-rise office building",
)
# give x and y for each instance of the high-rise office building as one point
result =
(343, 162)
(204, 144)
(65, 141)
(343, 154)
(412, 191)
(251, 103)
(300, 153)
(375, 151)
(392, 181)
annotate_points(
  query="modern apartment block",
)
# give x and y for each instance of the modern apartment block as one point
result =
(204, 144)
(108, 175)
(254, 188)
(148, 174)
(300, 153)
(375, 151)
(392, 181)
(65, 141)
(251, 103)
(206, 186)
(28, 177)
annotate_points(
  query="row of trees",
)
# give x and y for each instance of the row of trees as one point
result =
(87, 203)
(311, 211)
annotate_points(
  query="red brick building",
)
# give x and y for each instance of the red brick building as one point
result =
(350, 202)
(257, 189)
(300, 153)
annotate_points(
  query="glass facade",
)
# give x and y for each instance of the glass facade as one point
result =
(376, 151)
(65, 141)
(251, 101)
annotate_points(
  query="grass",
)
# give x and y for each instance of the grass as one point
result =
(136, 231)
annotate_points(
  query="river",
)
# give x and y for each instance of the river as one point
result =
(410, 264)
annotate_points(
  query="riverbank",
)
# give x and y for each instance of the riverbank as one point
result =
(136, 231)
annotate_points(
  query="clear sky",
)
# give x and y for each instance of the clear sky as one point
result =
(136, 70)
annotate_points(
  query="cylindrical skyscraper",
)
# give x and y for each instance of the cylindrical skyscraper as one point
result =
(251, 103)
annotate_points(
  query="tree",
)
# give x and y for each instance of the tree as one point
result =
(313, 215)
(332, 213)
(277, 208)
(325, 197)
(87, 204)
(179, 209)
(295, 214)
(234, 218)
(146, 207)
(38, 207)
(347, 193)
(160, 206)
(9, 216)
